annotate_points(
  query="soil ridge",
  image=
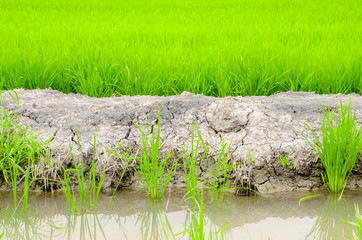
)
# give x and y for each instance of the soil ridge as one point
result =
(261, 127)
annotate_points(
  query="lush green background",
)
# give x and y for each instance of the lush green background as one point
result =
(164, 47)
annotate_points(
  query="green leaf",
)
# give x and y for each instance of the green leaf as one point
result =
(308, 197)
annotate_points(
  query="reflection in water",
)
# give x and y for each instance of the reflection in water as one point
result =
(152, 221)
(220, 215)
(84, 226)
(132, 216)
(329, 223)
(20, 225)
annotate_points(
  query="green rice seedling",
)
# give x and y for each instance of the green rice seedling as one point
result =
(126, 157)
(15, 177)
(29, 178)
(218, 182)
(358, 224)
(191, 165)
(68, 190)
(258, 47)
(338, 147)
(219, 176)
(83, 187)
(14, 182)
(94, 188)
(151, 169)
(18, 146)
(251, 158)
(307, 197)
(283, 160)
(88, 189)
(26, 187)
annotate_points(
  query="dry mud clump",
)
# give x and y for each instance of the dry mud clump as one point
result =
(261, 130)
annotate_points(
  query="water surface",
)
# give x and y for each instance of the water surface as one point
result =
(132, 216)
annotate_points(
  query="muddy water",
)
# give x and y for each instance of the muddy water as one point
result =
(132, 216)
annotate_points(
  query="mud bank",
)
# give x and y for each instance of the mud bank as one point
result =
(259, 127)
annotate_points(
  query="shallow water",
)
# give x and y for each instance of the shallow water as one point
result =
(132, 216)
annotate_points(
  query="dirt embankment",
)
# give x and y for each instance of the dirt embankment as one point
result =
(261, 128)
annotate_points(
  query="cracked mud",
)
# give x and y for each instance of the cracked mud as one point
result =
(259, 127)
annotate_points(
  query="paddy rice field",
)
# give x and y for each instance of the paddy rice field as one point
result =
(214, 47)
(165, 47)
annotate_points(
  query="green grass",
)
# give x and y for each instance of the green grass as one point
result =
(151, 169)
(218, 47)
(338, 146)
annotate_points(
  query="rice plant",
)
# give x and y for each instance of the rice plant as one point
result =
(220, 47)
(20, 148)
(218, 180)
(191, 165)
(220, 171)
(219, 176)
(88, 189)
(126, 157)
(339, 145)
(283, 160)
(151, 170)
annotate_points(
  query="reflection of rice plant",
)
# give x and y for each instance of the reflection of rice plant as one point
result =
(338, 147)
(89, 226)
(196, 230)
(329, 223)
(151, 169)
(19, 225)
(358, 224)
(153, 221)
